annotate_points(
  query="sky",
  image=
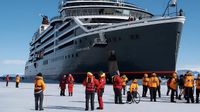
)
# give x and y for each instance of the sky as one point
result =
(20, 19)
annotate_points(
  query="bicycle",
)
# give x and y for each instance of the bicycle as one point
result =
(135, 97)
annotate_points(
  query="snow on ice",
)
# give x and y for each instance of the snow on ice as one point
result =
(22, 100)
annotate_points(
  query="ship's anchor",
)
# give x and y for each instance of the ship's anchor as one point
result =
(100, 41)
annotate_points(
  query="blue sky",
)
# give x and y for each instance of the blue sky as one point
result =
(20, 19)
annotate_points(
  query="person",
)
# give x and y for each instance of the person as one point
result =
(159, 87)
(153, 84)
(145, 81)
(100, 89)
(134, 88)
(124, 79)
(173, 86)
(90, 83)
(7, 80)
(181, 86)
(117, 87)
(168, 88)
(189, 84)
(17, 80)
(70, 82)
(197, 82)
(62, 85)
(39, 87)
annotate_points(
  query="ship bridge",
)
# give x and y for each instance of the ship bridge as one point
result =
(114, 8)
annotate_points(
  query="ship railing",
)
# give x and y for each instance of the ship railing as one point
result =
(141, 20)
(64, 2)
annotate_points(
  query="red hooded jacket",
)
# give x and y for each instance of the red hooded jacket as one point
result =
(91, 83)
(117, 82)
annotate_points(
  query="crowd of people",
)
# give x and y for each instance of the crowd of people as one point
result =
(183, 85)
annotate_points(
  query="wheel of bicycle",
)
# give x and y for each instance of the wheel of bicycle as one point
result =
(136, 99)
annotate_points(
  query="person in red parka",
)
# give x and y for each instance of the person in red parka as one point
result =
(90, 83)
(100, 89)
(70, 82)
(117, 86)
(62, 85)
(7, 79)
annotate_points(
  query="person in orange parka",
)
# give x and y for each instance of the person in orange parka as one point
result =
(39, 88)
(134, 87)
(70, 82)
(145, 81)
(189, 87)
(91, 83)
(197, 82)
(7, 79)
(124, 79)
(117, 86)
(17, 80)
(173, 86)
(153, 84)
(62, 85)
(100, 89)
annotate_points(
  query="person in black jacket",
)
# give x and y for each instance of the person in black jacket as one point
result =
(181, 86)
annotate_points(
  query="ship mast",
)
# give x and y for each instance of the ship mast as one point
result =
(171, 3)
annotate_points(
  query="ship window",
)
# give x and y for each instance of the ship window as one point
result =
(80, 41)
(76, 54)
(65, 45)
(68, 56)
(66, 35)
(49, 52)
(49, 45)
(65, 57)
(64, 27)
(48, 39)
(72, 55)
(119, 38)
(134, 37)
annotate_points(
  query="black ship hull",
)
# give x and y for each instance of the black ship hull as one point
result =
(137, 50)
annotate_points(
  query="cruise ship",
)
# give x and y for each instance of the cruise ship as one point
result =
(105, 35)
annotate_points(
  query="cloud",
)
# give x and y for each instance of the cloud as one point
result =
(13, 62)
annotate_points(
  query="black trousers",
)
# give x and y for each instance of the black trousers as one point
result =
(189, 94)
(124, 89)
(197, 95)
(17, 84)
(168, 90)
(145, 89)
(39, 100)
(153, 91)
(62, 92)
(118, 95)
(158, 89)
(89, 96)
(172, 94)
(6, 83)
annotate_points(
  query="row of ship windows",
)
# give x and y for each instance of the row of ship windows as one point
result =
(46, 62)
(60, 30)
(114, 39)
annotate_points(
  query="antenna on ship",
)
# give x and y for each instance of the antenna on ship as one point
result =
(171, 3)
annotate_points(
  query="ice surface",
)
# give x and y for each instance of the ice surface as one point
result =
(22, 100)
